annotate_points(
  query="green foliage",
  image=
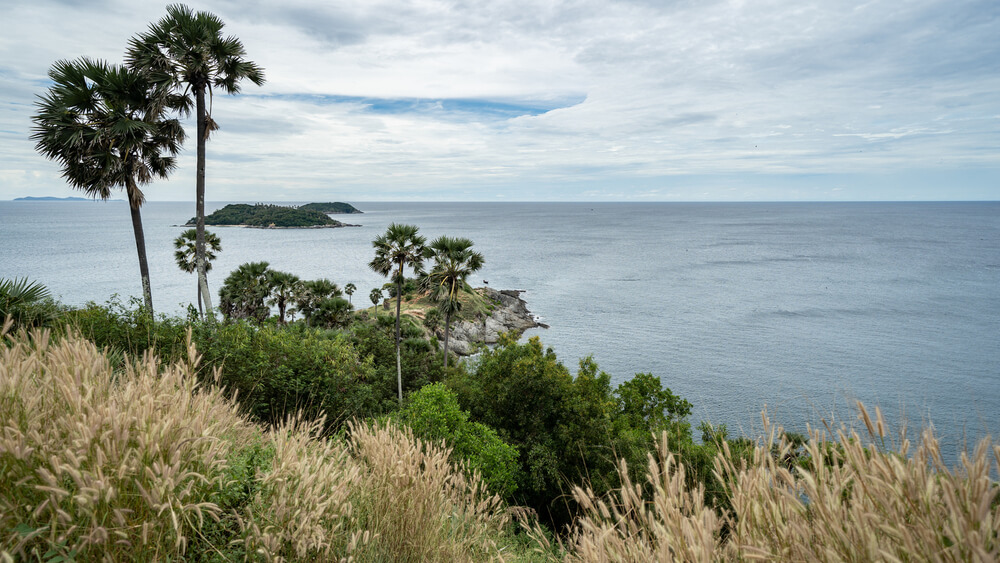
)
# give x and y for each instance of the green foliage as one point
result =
(331, 312)
(128, 329)
(433, 414)
(568, 429)
(432, 319)
(374, 341)
(236, 490)
(278, 372)
(643, 403)
(245, 292)
(531, 400)
(410, 286)
(274, 371)
(28, 303)
(184, 250)
(334, 207)
(313, 299)
(267, 215)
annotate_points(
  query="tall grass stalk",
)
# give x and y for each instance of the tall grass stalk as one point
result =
(417, 505)
(842, 498)
(97, 464)
(141, 464)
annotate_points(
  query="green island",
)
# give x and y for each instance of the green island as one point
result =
(281, 422)
(332, 207)
(269, 216)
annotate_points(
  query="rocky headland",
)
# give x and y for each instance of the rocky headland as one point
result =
(509, 314)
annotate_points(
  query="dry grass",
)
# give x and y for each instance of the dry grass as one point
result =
(384, 496)
(855, 500)
(97, 464)
(851, 499)
(417, 505)
(135, 464)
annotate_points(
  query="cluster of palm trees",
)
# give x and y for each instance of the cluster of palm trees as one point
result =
(111, 126)
(401, 247)
(115, 126)
(249, 292)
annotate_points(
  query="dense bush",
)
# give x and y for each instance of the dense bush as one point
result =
(434, 415)
(273, 371)
(567, 429)
(421, 364)
(128, 329)
(278, 372)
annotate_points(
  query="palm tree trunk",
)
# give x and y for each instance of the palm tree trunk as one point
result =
(447, 325)
(399, 369)
(140, 247)
(206, 295)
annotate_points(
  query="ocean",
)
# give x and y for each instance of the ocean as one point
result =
(800, 307)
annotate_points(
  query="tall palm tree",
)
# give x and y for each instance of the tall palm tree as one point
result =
(454, 261)
(186, 52)
(107, 127)
(349, 290)
(283, 289)
(185, 254)
(311, 294)
(244, 293)
(398, 248)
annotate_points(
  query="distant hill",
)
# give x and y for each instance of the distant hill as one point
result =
(268, 216)
(333, 207)
(50, 198)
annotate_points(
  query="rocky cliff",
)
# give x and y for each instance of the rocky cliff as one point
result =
(510, 314)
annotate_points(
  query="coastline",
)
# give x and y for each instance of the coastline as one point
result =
(510, 315)
(276, 227)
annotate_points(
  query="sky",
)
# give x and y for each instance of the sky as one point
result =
(545, 100)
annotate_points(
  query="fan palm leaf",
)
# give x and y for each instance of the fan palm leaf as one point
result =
(107, 127)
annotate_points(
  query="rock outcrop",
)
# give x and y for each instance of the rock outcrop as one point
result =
(510, 314)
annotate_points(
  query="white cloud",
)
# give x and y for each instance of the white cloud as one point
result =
(659, 96)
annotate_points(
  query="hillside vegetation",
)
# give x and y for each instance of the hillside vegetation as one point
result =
(117, 459)
(331, 207)
(266, 215)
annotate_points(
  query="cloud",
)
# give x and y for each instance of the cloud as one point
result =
(580, 99)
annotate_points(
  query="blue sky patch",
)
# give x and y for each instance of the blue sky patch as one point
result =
(495, 109)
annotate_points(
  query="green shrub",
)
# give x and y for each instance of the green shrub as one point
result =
(434, 415)
(128, 329)
(276, 373)
(568, 429)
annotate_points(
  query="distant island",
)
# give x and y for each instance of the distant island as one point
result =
(332, 207)
(267, 216)
(50, 198)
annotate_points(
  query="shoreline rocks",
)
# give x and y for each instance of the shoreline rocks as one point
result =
(511, 314)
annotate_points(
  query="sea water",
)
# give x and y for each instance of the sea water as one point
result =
(802, 308)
